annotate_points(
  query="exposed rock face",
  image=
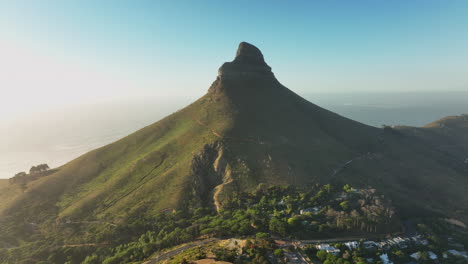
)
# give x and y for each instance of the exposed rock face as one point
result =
(249, 54)
(211, 173)
(248, 63)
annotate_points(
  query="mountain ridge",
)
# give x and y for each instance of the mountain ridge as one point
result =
(247, 131)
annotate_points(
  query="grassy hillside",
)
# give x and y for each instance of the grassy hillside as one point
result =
(3, 183)
(121, 178)
(448, 134)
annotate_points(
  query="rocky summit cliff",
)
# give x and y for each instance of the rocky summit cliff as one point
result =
(247, 131)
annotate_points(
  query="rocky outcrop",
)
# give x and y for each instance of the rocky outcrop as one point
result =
(249, 63)
(211, 172)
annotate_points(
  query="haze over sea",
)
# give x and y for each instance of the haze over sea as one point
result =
(58, 136)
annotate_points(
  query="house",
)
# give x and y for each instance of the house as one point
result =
(423, 242)
(391, 243)
(281, 243)
(458, 253)
(352, 245)
(431, 254)
(384, 245)
(385, 259)
(324, 247)
(369, 244)
(419, 240)
(334, 251)
(400, 242)
(328, 249)
(313, 210)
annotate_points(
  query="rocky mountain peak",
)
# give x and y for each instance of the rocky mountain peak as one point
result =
(249, 54)
(248, 63)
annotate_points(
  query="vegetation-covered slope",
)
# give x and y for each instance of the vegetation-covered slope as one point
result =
(247, 130)
(3, 183)
(448, 134)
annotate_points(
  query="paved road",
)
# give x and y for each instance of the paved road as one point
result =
(328, 240)
(176, 251)
(301, 257)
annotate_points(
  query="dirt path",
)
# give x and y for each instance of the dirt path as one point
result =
(83, 245)
(345, 164)
(217, 191)
(216, 134)
(89, 222)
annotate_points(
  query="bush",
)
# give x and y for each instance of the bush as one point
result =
(262, 235)
(278, 253)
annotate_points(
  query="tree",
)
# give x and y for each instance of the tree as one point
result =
(33, 170)
(400, 256)
(223, 254)
(20, 174)
(259, 260)
(423, 256)
(322, 255)
(278, 252)
(344, 205)
(38, 168)
(42, 167)
(262, 235)
(293, 221)
(327, 188)
(347, 188)
(277, 226)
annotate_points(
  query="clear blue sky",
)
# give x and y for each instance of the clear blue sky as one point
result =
(88, 50)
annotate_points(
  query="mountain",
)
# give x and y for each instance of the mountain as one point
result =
(248, 131)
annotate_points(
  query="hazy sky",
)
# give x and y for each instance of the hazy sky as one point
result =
(73, 52)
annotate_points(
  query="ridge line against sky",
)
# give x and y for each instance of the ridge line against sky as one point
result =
(72, 52)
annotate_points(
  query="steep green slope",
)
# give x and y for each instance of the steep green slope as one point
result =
(3, 183)
(448, 134)
(247, 130)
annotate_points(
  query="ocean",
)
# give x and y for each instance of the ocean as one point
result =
(61, 135)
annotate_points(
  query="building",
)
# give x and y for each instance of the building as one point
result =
(369, 244)
(281, 243)
(352, 245)
(419, 240)
(458, 253)
(431, 254)
(328, 249)
(385, 259)
(312, 210)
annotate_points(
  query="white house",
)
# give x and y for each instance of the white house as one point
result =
(352, 245)
(385, 259)
(432, 255)
(458, 253)
(313, 210)
(328, 249)
(370, 244)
